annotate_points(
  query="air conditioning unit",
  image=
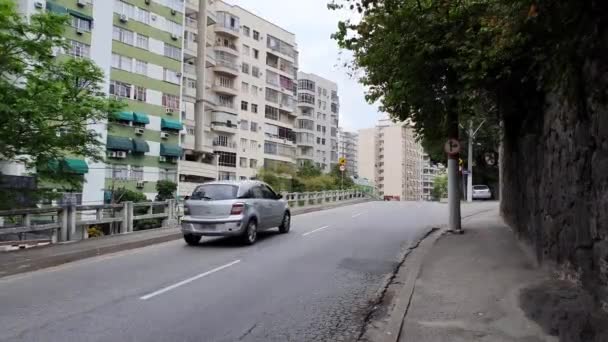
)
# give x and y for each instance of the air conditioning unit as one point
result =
(124, 18)
(174, 36)
(153, 16)
(164, 135)
(140, 184)
(173, 12)
(81, 3)
(169, 110)
(79, 31)
(173, 160)
(147, 2)
(38, 4)
(112, 154)
(162, 159)
(139, 131)
(121, 154)
(178, 74)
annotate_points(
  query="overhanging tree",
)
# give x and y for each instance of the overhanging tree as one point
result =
(46, 103)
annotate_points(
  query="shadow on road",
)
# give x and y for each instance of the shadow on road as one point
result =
(223, 242)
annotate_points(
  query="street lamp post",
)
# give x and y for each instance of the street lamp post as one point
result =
(470, 159)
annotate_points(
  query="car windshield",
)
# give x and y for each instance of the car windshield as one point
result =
(215, 192)
(480, 187)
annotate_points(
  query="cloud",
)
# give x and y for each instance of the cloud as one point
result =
(313, 24)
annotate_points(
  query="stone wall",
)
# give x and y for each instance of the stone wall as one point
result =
(555, 177)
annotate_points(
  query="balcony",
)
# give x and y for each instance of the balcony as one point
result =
(223, 145)
(192, 12)
(224, 122)
(225, 66)
(224, 127)
(226, 104)
(226, 47)
(225, 28)
(223, 85)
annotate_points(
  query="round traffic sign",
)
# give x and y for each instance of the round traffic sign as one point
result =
(342, 168)
(452, 146)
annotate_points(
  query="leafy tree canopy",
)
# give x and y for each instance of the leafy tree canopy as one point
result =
(165, 190)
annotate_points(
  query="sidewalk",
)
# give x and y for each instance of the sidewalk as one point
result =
(32, 259)
(468, 288)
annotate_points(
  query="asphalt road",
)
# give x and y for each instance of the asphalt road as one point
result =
(313, 284)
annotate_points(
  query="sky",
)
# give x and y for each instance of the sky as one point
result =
(313, 23)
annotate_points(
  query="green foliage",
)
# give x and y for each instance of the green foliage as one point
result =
(308, 170)
(307, 178)
(440, 187)
(434, 60)
(94, 232)
(46, 103)
(165, 190)
(125, 195)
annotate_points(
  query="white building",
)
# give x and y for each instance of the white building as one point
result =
(390, 155)
(317, 123)
(348, 148)
(429, 172)
(249, 116)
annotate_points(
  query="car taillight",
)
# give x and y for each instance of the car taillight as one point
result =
(186, 210)
(237, 209)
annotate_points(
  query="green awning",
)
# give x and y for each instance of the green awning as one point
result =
(141, 118)
(80, 14)
(123, 116)
(171, 124)
(119, 143)
(140, 146)
(55, 8)
(170, 150)
(78, 166)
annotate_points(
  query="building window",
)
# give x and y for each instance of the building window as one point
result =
(253, 163)
(318, 128)
(171, 101)
(253, 145)
(173, 52)
(139, 94)
(254, 108)
(142, 41)
(190, 130)
(245, 50)
(306, 98)
(245, 68)
(120, 172)
(244, 143)
(246, 31)
(171, 76)
(122, 62)
(244, 105)
(227, 159)
(254, 90)
(79, 50)
(323, 141)
(245, 87)
(256, 35)
(256, 53)
(254, 126)
(141, 67)
(81, 24)
(306, 85)
(174, 28)
(143, 16)
(318, 141)
(120, 89)
(255, 71)
(190, 83)
(137, 173)
(122, 35)
(244, 125)
(243, 162)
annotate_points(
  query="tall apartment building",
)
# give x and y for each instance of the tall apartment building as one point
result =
(317, 124)
(390, 156)
(250, 77)
(138, 46)
(348, 148)
(429, 172)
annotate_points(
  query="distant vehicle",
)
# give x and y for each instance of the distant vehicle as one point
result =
(481, 192)
(229, 208)
(392, 198)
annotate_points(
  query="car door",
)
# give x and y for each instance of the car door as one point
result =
(275, 207)
(261, 206)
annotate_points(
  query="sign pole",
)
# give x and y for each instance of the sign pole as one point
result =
(452, 148)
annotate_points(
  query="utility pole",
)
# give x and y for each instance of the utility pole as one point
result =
(201, 55)
(472, 134)
(452, 148)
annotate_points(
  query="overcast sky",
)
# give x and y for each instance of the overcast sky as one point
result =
(313, 23)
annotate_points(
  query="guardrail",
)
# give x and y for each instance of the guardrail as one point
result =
(72, 223)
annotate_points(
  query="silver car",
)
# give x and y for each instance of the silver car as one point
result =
(481, 192)
(229, 208)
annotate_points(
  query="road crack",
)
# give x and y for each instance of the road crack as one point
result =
(248, 332)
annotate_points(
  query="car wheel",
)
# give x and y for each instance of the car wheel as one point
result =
(192, 240)
(285, 224)
(251, 233)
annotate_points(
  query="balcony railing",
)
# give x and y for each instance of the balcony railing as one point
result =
(223, 143)
(228, 64)
(230, 46)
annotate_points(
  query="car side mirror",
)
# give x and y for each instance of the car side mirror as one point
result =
(279, 196)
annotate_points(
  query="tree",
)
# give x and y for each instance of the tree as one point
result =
(46, 103)
(165, 190)
(440, 187)
(125, 195)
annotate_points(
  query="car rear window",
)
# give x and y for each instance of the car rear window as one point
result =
(215, 192)
(480, 187)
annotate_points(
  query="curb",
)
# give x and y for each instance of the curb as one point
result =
(29, 265)
(399, 289)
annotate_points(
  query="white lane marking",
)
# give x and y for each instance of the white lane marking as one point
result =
(189, 280)
(357, 215)
(316, 230)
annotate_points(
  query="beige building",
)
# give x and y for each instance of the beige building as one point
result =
(347, 149)
(390, 156)
(250, 74)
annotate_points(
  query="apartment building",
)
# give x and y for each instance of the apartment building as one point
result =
(390, 156)
(429, 172)
(348, 148)
(138, 46)
(317, 124)
(250, 86)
